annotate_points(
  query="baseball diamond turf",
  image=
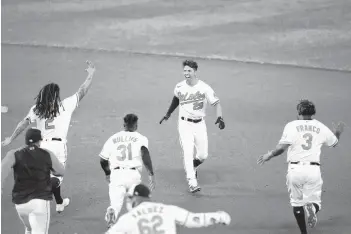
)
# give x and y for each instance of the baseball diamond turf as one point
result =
(42, 41)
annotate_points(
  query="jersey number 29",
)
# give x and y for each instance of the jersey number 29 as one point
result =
(126, 151)
(308, 137)
(151, 226)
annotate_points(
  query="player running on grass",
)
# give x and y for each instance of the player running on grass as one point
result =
(193, 95)
(53, 118)
(145, 216)
(122, 158)
(303, 138)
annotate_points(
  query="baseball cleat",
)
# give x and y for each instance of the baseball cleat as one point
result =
(311, 215)
(110, 217)
(27, 231)
(194, 189)
(61, 207)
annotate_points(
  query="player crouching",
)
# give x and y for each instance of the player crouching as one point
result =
(146, 216)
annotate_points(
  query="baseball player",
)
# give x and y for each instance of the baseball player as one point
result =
(122, 158)
(145, 216)
(32, 189)
(53, 118)
(193, 95)
(304, 138)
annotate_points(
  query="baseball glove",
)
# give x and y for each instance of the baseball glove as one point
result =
(220, 123)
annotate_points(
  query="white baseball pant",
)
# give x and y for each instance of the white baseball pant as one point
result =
(35, 215)
(120, 181)
(192, 135)
(59, 148)
(304, 184)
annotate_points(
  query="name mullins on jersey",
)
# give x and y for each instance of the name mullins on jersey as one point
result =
(307, 128)
(149, 210)
(124, 139)
(194, 97)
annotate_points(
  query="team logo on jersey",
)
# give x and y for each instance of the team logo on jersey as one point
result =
(194, 97)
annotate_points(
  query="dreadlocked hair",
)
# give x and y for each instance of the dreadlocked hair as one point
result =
(306, 107)
(48, 102)
(130, 120)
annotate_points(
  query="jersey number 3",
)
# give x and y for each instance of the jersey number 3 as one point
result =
(151, 226)
(126, 151)
(48, 124)
(308, 137)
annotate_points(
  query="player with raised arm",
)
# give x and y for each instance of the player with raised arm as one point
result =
(192, 96)
(304, 138)
(122, 158)
(145, 216)
(53, 118)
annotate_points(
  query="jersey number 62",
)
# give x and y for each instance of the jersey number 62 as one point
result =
(151, 226)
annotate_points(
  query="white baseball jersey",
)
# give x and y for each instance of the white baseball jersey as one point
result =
(58, 126)
(306, 138)
(151, 217)
(123, 149)
(193, 100)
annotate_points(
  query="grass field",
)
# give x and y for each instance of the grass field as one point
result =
(257, 99)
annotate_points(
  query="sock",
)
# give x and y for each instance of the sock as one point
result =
(196, 162)
(299, 214)
(56, 190)
(316, 206)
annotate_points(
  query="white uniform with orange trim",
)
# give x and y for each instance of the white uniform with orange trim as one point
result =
(193, 101)
(152, 217)
(54, 131)
(123, 151)
(305, 137)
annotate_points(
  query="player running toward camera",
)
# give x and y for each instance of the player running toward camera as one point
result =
(53, 118)
(304, 138)
(192, 95)
(32, 191)
(122, 158)
(145, 216)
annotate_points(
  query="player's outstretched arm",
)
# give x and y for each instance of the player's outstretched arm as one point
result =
(83, 89)
(19, 129)
(172, 107)
(197, 220)
(145, 155)
(279, 149)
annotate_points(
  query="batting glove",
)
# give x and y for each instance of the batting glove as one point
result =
(220, 121)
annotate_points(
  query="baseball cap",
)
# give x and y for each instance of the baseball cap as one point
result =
(139, 190)
(33, 135)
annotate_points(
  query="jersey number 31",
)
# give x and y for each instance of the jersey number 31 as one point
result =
(126, 152)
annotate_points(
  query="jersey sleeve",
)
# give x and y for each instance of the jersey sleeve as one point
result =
(106, 150)
(31, 116)
(145, 142)
(211, 96)
(287, 136)
(330, 139)
(71, 103)
(180, 214)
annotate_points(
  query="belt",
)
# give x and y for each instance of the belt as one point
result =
(53, 139)
(129, 168)
(191, 120)
(304, 163)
